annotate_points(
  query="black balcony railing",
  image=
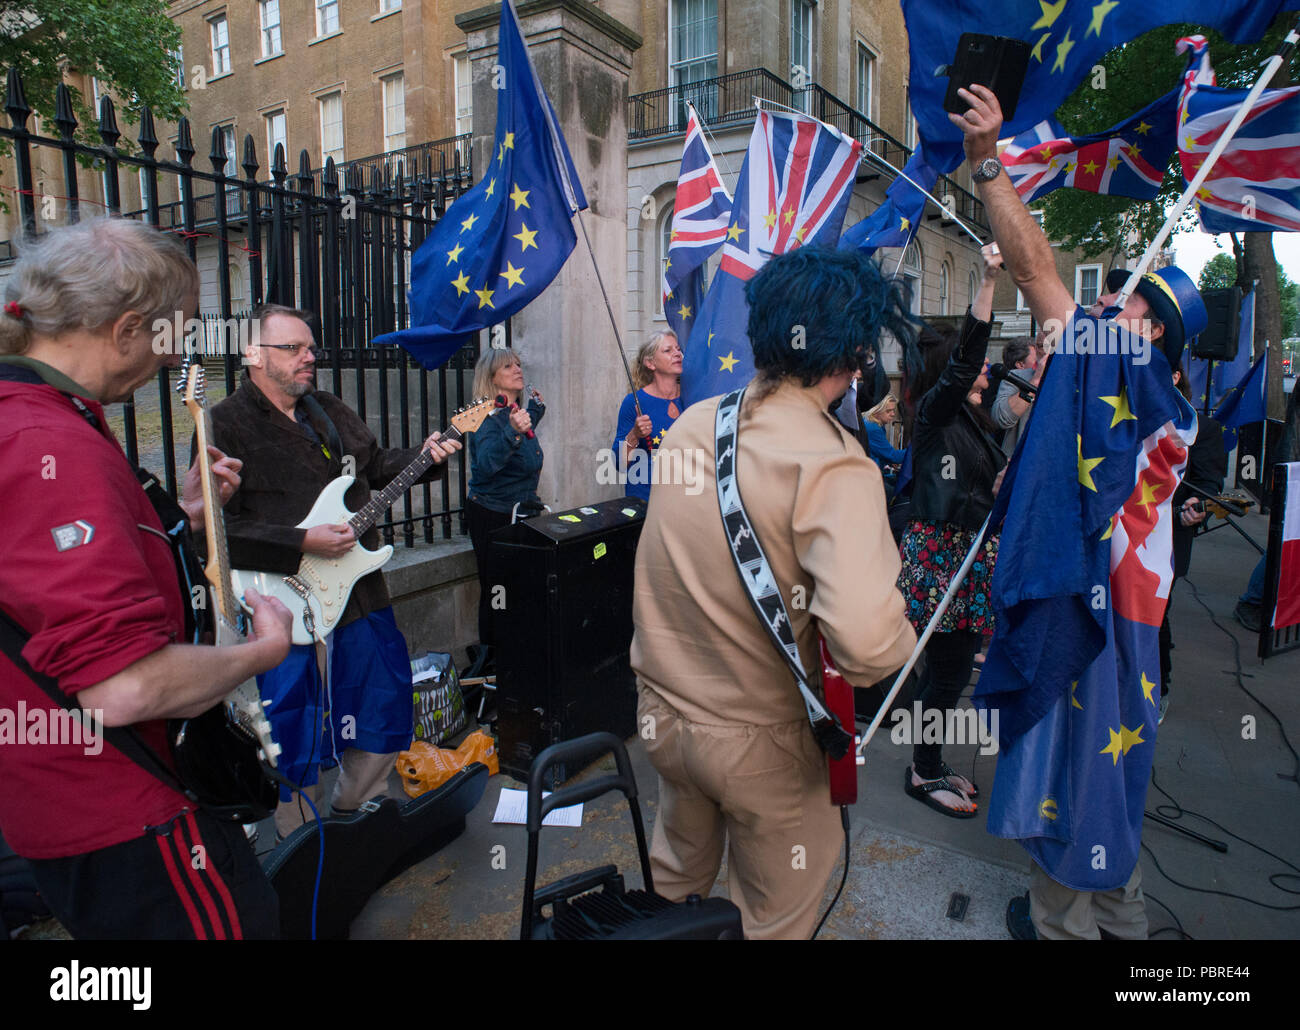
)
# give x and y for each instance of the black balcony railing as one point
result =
(728, 101)
(336, 245)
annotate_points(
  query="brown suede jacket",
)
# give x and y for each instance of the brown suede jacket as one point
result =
(284, 472)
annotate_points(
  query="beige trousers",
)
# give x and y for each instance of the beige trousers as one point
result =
(1063, 914)
(760, 790)
(362, 775)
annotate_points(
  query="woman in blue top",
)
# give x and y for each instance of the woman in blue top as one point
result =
(883, 414)
(656, 375)
(504, 466)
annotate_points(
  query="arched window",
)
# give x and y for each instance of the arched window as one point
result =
(974, 282)
(665, 238)
(943, 289)
(913, 268)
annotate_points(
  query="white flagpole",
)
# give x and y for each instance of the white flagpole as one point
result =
(1274, 63)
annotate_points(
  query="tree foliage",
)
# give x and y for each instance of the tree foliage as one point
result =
(1219, 272)
(126, 44)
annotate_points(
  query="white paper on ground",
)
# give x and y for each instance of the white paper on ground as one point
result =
(512, 807)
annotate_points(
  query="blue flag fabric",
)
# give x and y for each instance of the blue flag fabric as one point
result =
(501, 243)
(1073, 670)
(1245, 402)
(701, 216)
(894, 222)
(793, 191)
(1068, 39)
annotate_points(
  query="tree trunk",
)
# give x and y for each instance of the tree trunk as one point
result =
(1261, 266)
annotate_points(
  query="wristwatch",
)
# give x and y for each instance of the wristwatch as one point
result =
(987, 170)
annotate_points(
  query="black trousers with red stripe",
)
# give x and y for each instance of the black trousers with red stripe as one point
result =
(194, 878)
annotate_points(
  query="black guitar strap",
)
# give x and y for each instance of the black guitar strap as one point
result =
(313, 408)
(756, 575)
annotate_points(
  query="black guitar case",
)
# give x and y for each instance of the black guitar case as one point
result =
(363, 852)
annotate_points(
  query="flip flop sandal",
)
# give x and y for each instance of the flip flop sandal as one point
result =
(923, 791)
(974, 791)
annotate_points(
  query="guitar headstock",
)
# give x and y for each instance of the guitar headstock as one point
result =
(193, 385)
(469, 418)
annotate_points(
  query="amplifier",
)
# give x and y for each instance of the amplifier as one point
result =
(564, 629)
(1218, 340)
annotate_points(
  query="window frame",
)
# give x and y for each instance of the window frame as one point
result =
(863, 50)
(678, 68)
(229, 65)
(265, 29)
(321, 6)
(268, 120)
(384, 84)
(325, 154)
(1078, 283)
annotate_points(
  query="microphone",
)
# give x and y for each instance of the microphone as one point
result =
(1000, 373)
(502, 403)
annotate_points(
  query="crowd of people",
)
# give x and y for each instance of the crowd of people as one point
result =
(90, 578)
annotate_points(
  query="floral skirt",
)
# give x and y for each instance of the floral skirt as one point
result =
(932, 552)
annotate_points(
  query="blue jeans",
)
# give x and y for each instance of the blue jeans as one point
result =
(1255, 588)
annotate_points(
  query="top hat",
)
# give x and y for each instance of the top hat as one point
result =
(1173, 299)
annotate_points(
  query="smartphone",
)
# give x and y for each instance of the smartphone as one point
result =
(997, 62)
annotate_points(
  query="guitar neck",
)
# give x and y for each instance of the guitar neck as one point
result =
(217, 569)
(386, 498)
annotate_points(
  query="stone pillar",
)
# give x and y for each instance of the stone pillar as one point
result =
(564, 337)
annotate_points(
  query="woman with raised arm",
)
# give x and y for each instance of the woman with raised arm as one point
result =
(657, 378)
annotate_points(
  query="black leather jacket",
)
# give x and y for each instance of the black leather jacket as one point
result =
(954, 461)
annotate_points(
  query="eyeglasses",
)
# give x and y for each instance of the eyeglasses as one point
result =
(293, 348)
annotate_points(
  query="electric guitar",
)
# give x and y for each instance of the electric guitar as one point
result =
(318, 592)
(837, 693)
(220, 755)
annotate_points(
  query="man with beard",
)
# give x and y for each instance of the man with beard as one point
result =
(293, 441)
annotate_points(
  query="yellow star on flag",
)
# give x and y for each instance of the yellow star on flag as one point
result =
(1204, 193)
(801, 232)
(769, 219)
(492, 186)
(733, 233)
(684, 311)
(1046, 152)
(1143, 128)
(729, 362)
(709, 341)
(1114, 520)
(501, 153)
(512, 275)
(1188, 142)
(668, 263)
(468, 223)
(1050, 13)
(1130, 737)
(520, 197)
(526, 236)
(672, 236)
(1120, 404)
(1147, 688)
(904, 224)
(485, 298)
(1037, 52)
(1086, 465)
(1091, 167)
(1113, 163)
(1099, 13)
(454, 253)
(1116, 746)
(1069, 167)
(461, 282)
(1074, 701)
(509, 143)
(1062, 48)
(787, 216)
(1149, 491)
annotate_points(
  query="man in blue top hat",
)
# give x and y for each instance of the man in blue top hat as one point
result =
(1163, 311)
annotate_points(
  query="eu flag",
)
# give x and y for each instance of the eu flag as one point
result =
(1245, 402)
(894, 222)
(1074, 669)
(500, 245)
(793, 191)
(1068, 37)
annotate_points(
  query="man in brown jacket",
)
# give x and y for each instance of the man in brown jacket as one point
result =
(293, 442)
(724, 724)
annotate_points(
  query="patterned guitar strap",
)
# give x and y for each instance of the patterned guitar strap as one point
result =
(759, 582)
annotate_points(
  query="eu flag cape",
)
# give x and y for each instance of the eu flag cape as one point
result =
(1074, 669)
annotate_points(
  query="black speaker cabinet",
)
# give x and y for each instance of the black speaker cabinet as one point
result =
(1219, 338)
(564, 629)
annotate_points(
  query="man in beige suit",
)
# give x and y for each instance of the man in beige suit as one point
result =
(724, 723)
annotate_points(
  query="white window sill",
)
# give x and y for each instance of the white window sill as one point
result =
(386, 14)
(268, 57)
(321, 39)
(223, 75)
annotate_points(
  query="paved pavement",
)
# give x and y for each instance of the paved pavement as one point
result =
(908, 861)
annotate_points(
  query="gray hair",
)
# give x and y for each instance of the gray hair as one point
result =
(86, 275)
(491, 362)
(642, 376)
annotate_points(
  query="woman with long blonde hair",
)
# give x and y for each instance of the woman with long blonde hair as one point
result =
(658, 391)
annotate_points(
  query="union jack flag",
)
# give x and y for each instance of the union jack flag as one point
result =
(701, 213)
(1254, 185)
(793, 191)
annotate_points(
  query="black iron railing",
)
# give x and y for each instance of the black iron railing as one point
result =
(728, 100)
(338, 246)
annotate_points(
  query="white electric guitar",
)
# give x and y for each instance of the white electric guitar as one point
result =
(318, 592)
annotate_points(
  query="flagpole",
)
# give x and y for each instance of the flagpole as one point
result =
(1274, 63)
(618, 339)
(717, 147)
(948, 214)
(957, 581)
